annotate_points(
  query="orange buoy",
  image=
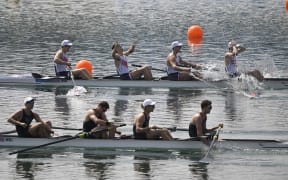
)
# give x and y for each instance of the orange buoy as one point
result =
(286, 5)
(194, 32)
(84, 64)
(195, 41)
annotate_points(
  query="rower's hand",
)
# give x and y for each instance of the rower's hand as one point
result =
(24, 125)
(221, 125)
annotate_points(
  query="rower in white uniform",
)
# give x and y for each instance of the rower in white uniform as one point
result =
(231, 62)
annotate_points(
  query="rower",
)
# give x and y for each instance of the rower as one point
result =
(231, 63)
(178, 69)
(96, 119)
(197, 127)
(22, 120)
(141, 128)
(63, 66)
(121, 63)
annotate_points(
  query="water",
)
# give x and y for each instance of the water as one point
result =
(31, 32)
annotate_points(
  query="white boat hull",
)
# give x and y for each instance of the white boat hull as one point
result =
(29, 80)
(183, 144)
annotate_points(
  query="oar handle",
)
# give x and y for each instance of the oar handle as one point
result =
(63, 128)
(156, 69)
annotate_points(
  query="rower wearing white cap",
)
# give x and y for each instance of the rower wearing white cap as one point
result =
(63, 66)
(141, 128)
(178, 69)
(231, 62)
(22, 119)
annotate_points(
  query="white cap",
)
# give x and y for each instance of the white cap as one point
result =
(28, 99)
(231, 44)
(148, 102)
(66, 43)
(176, 44)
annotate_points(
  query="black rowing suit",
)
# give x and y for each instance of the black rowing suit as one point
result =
(193, 129)
(141, 135)
(27, 119)
(90, 124)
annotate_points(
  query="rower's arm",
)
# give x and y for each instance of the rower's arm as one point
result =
(188, 64)
(172, 62)
(130, 50)
(14, 119)
(37, 118)
(239, 49)
(114, 52)
(98, 120)
(139, 120)
(59, 60)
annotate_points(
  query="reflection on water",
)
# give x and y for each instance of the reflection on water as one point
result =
(94, 167)
(177, 100)
(62, 106)
(199, 170)
(27, 168)
(142, 166)
(121, 104)
(230, 108)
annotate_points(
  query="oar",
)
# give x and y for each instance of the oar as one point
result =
(215, 138)
(72, 78)
(63, 128)
(109, 76)
(47, 144)
(156, 69)
(8, 132)
(81, 134)
(173, 129)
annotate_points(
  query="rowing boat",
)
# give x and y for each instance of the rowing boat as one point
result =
(35, 79)
(176, 144)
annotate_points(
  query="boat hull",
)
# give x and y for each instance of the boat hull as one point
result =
(46, 81)
(179, 144)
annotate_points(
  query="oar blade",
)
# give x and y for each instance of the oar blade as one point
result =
(212, 145)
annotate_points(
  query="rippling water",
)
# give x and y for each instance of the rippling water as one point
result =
(31, 32)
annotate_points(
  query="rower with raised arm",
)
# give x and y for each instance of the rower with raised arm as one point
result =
(231, 62)
(121, 63)
(22, 119)
(96, 119)
(63, 66)
(197, 127)
(178, 69)
(141, 128)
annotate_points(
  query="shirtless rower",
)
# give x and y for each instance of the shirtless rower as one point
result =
(197, 127)
(141, 128)
(22, 119)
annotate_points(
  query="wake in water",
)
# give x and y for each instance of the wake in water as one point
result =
(77, 91)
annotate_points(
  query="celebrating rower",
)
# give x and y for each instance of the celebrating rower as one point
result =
(96, 120)
(178, 69)
(141, 128)
(197, 127)
(63, 66)
(121, 63)
(231, 63)
(22, 120)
